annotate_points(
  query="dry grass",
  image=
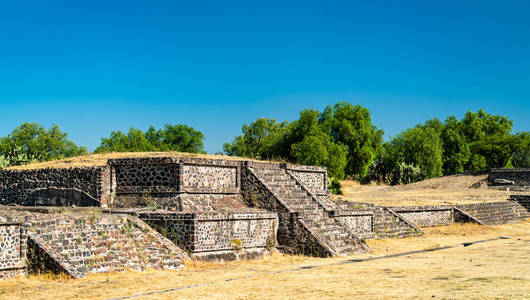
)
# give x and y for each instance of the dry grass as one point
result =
(497, 269)
(447, 190)
(95, 160)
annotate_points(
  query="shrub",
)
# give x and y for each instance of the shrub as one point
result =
(406, 173)
(334, 186)
(521, 159)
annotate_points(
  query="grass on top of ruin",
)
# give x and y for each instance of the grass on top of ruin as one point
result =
(495, 269)
(100, 159)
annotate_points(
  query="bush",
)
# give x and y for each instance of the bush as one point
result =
(521, 159)
(406, 173)
(334, 186)
(31, 142)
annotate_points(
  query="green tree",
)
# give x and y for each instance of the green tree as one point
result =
(497, 149)
(180, 137)
(311, 145)
(521, 159)
(31, 142)
(172, 138)
(352, 126)
(259, 140)
(456, 152)
(134, 141)
(420, 147)
(476, 126)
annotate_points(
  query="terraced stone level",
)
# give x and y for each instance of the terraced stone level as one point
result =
(495, 213)
(332, 233)
(79, 244)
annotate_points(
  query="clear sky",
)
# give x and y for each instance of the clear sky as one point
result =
(97, 66)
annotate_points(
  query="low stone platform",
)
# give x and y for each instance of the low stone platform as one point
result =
(79, 244)
(227, 235)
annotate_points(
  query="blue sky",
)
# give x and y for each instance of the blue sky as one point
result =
(97, 66)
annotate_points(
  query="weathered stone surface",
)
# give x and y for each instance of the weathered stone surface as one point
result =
(214, 208)
(301, 212)
(358, 221)
(55, 187)
(426, 216)
(316, 180)
(13, 248)
(520, 177)
(78, 244)
(494, 213)
(216, 231)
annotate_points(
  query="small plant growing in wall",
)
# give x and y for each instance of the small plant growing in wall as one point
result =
(237, 244)
(254, 200)
(270, 243)
(94, 214)
(154, 206)
(250, 198)
(146, 199)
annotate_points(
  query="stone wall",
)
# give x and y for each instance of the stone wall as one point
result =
(258, 194)
(54, 187)
(314, 178)
(216, 235)
(210, 179)
(176, 183)
(426, 216)
(517, 176)
(146, 178)
(524, 202)
(183, 184)
(13, 238)
(493, 213)
(390, 224)
(386, 222)
(81, 243)
(293, 235)
(358, 221)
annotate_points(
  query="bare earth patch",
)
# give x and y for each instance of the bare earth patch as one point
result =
(447, 190)
(495, 269)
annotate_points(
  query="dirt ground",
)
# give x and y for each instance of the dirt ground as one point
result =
(447, 190)
(494, 269)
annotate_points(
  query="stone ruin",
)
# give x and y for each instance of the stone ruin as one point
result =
(510, 179)
(135, 213)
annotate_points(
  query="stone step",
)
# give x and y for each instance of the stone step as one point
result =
(111, 246)
(336, 236)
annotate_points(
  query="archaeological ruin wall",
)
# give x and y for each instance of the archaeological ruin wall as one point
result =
(87, 186)
(13, 236)
(218, 235)
(212, 208)
(427, 216)
(181, 184)
(517, 177)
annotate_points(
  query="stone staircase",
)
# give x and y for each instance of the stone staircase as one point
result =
(312, 213)
(81, 244)
(496, 213)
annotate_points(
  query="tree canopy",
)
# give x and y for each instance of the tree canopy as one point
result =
(342, 138)
(352, 126)
(172, 138)
(31, 142)
(478, 142)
